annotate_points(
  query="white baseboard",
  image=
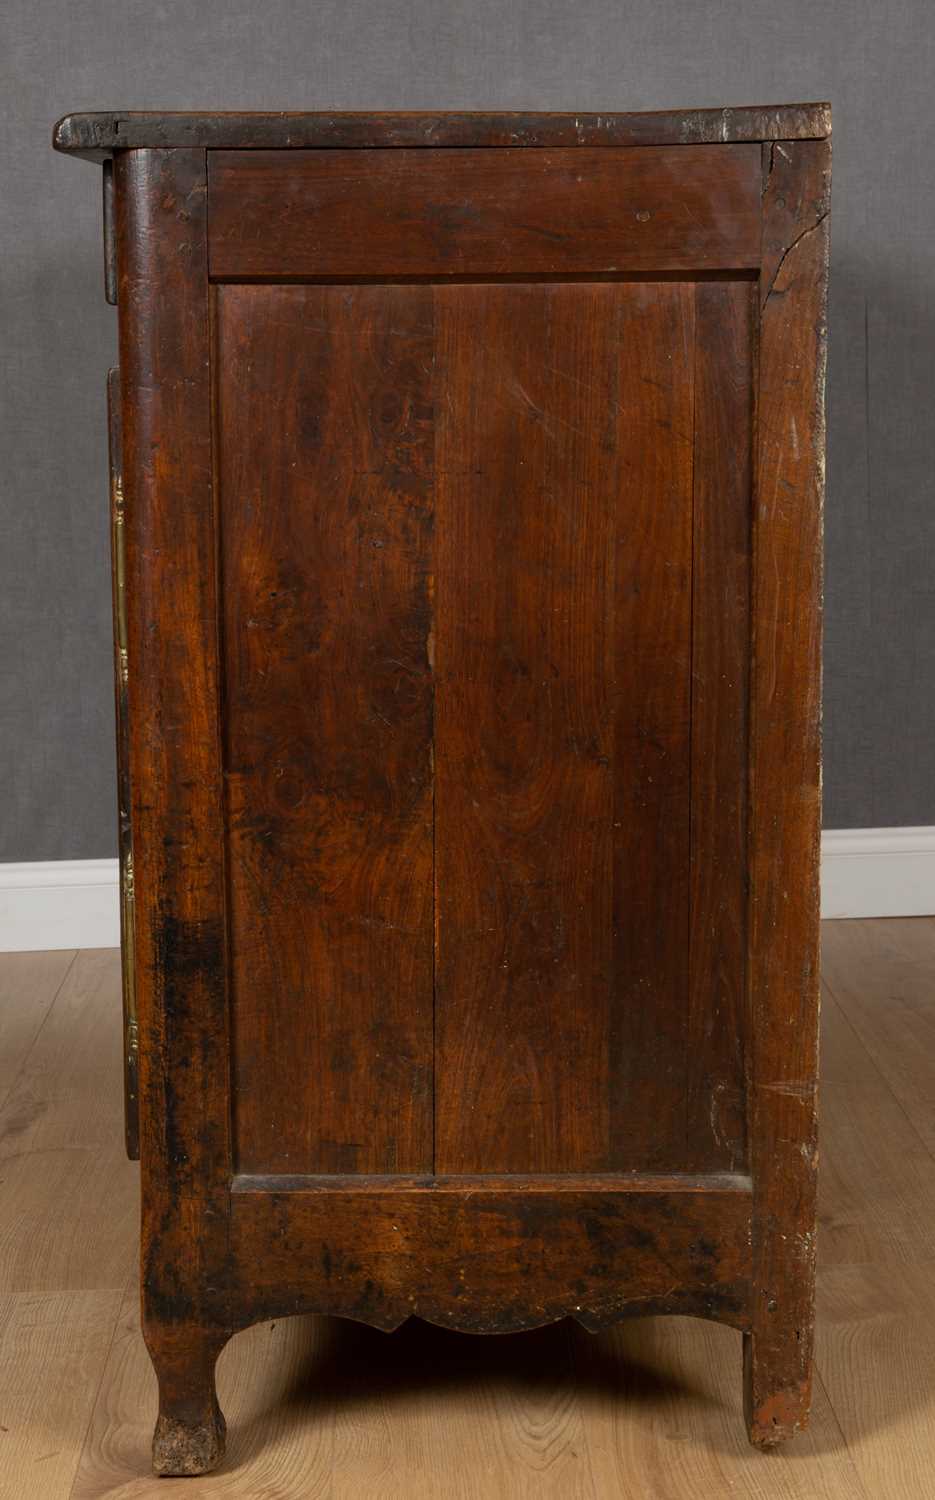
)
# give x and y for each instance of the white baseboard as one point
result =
(73, 903)
(60, 903)
(878, 872)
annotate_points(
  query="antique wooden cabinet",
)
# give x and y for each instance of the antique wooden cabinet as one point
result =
(467, 477)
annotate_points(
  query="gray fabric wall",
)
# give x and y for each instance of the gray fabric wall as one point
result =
(875, 62)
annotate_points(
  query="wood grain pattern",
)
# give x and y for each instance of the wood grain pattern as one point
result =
(785, 780)
(60, 1140)
(53, 1348)
(898, 1222)
(48, 1106)
(887, 994)
(662, 1418)
(326, 579)
(175, 774)
(651, 553)
(563, 878)
(97, 135)
(482, 213)
(875, 1296)
(562, 853)
(716, 1031)
(492, 1258)
(29, 983)
(876, 1347)
(524, 749)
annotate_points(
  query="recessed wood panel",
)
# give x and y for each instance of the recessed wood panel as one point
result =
(485, 614)
(483, 213)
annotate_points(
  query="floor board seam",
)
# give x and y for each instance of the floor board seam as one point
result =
(820, 1380)
(100, 1383)
(15, 1080)
(879, 1072)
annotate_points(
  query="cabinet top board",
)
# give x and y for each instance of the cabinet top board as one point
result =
(98, 135)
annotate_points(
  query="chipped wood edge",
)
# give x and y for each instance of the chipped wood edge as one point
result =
(97, 136)
(184, 1449)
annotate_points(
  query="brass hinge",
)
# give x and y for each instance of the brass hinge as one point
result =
(120, 574)
(129, 988)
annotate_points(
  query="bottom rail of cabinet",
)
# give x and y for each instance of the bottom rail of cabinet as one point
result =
(479, 1254)
(492, 1254)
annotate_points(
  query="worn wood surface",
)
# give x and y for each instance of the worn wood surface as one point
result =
(98, 135)
(785, 780)
(175, 773)
(326, 577)
(489, 1255)
(339, 214)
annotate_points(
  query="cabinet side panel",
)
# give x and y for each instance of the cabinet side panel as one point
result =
(175, 765)
(325, 413)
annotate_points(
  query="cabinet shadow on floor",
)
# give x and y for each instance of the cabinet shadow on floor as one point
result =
(684, 1370)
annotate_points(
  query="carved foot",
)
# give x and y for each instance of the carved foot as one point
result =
(190, 1429)
(186, 1447)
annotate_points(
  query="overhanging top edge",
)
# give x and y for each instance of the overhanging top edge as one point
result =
(96, 136)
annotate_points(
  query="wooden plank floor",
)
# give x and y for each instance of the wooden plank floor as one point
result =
(330, 1410)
